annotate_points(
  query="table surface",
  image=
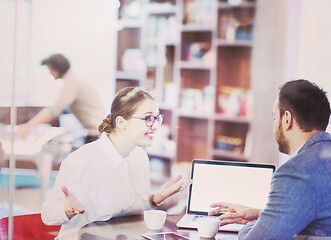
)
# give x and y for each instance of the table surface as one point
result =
(132, 227)
(28, 148)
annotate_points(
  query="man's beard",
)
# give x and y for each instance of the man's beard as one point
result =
(283, 144)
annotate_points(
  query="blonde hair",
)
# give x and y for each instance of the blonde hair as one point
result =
(125, 103)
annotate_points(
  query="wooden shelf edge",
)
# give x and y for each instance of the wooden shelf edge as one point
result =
(213, 116)
(163, 155)
(159, 9)
(129, 75)
(166, 107)
(196, 115)
(195, 28)
(236, 43)
(130, 23)
(231, 155)
(241, 5)
(159, 42)
(225, 118)
(194, 65)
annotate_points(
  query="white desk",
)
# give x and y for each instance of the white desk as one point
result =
(36, 147)
(31, 146)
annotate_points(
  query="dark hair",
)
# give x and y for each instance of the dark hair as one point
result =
(58, 62)
(307, 102)
(125, 103)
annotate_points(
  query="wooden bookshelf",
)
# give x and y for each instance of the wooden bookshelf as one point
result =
(198, 66)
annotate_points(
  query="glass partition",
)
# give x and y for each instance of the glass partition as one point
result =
(32, 31)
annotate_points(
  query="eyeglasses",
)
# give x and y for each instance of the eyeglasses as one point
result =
(150, 120)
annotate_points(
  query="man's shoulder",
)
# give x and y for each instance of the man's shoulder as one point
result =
(319, 139)
(313, 151)
(311, 159)
(316, 149)
(293, 166)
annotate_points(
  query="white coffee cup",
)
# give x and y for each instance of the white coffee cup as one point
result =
(154, 219)
(208, 227)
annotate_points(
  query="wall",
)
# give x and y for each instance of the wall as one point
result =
(268, 62)
(292, 41)
(83, 30)
(314, 47)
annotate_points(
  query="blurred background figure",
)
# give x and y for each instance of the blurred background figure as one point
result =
(1, 155)
(77, 94)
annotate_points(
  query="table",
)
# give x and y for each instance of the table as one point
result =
(131, 228)
(39, 147)
(28, 148)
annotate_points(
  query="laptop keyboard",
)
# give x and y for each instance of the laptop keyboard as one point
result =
(204, 216)
(227, 237)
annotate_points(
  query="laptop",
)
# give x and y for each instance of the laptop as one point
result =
(225, 181)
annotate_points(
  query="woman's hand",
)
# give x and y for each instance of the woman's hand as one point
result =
(72, 206)
(234, 213)
(171, 187)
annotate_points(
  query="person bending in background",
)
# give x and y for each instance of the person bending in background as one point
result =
(110, 177)
(77, 94)
(300, 197)
(1, 155)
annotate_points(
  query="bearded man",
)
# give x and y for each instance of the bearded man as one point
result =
(299, 202)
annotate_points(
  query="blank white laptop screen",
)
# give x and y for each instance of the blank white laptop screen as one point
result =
(241, 183)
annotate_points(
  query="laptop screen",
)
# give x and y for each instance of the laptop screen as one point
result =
(234, 182)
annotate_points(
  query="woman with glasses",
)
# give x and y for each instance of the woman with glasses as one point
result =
(110, 177)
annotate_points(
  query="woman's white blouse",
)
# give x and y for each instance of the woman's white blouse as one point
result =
(107, 184)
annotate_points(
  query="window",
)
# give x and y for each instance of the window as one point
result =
(23, 33)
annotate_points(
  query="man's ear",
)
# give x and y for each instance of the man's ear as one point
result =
(287, 120)
(121, 122)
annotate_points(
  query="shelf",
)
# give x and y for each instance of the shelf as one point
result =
(192, 139)
(156, 41)
(196, 28)
(163, 106)
(230, 59)
(161, 9)
(129, 75)
(194, 65)
(242, 5)
(235, 119)
(194, 115)
(163, 155)
(229, 155)
(130, 23)
(236, 43)
(216, 117)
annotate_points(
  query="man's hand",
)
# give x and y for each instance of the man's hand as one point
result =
(72, 206)
(234, 213)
